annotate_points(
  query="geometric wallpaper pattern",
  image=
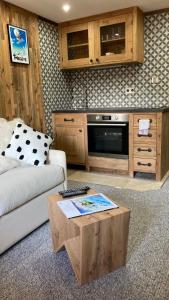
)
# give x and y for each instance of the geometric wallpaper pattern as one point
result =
(55, 83)
(106, 88)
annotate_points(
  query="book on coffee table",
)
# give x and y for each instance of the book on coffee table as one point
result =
(85, 205)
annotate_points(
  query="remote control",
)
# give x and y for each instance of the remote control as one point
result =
(74, 192)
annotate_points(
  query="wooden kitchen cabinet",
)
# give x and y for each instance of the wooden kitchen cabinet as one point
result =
(116, 37)
(76, 48)
(70, 136)
(149, 154)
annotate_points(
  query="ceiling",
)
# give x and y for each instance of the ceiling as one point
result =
(52, 9)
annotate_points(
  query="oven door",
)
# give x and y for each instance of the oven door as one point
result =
(109, 140)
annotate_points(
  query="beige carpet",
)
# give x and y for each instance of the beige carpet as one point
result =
(31, 270)
(116, 181)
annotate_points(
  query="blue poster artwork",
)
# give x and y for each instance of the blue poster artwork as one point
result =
(18, 44)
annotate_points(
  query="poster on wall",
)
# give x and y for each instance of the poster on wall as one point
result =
(18, 44)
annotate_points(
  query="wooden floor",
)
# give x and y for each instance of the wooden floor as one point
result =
(117, 181)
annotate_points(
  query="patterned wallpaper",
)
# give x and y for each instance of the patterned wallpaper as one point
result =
(55, 83)
(106, 87)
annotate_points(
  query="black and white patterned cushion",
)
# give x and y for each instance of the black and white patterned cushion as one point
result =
(28, 145)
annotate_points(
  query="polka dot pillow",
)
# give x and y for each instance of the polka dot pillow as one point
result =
(28, 145)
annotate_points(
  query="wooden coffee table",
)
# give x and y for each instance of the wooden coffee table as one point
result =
(96, 243)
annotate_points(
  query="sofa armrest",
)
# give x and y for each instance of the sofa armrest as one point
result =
(57, 157)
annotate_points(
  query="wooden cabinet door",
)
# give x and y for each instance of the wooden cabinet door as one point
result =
(77, 50)
(72, 141)
(114, 39)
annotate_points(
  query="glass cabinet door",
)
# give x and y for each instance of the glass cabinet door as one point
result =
(75, 47)
(78, 45)
(114, 39)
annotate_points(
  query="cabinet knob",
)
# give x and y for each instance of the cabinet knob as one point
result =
(97, 60)
(80, 130)
(91, 61)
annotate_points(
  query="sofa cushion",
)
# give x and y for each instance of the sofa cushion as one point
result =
(7, 164)
(22, 184)
(28, 145)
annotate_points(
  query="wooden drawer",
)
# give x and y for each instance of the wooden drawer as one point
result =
(151, 117)
(142, 150)
(147, 165)
(145, 139)
(69, 119)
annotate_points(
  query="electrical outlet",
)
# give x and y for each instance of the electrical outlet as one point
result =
(129, 90)
(154, 79)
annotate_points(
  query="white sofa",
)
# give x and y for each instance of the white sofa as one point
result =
(23, 197)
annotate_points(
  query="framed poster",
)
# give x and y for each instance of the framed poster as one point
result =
(18, 44)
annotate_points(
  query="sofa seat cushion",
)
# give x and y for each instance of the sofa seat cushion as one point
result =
(22, 184)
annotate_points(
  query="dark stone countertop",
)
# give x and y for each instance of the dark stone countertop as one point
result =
(115, 110)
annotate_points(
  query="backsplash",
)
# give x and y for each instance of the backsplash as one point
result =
(107, 87)
(55, 83)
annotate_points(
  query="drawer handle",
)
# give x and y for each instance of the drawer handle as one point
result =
(141, 164)
(68, 120)
(146, 150)
(140, 135)
(150, 120)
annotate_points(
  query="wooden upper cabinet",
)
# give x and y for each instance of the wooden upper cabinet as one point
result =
(116, 37)
(76, 46)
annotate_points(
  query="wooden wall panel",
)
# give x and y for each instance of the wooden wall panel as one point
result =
(20, 85)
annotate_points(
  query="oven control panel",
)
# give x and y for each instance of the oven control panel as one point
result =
(108, 118)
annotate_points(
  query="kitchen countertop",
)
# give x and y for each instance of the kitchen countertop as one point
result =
(115, 109)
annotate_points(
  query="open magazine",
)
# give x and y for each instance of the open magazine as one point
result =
(85, 205)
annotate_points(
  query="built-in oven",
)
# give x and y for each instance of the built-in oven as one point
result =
(108, 135)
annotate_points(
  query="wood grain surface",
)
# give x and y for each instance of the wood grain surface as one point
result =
(20, 85)
(96, 243)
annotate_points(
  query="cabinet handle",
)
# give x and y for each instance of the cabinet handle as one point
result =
(146, 150)
(97, 60)
(150, 120)
(140, 135)
(91, 61)
(141, 164)
(68, 120)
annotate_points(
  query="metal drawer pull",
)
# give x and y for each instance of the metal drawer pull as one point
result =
(68, 120)
(142, 135)
(140, 164)
(146, 150)
(150, 120)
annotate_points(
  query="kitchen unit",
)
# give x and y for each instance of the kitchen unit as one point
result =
(70, 134)
(110, 140)
(110, 38)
